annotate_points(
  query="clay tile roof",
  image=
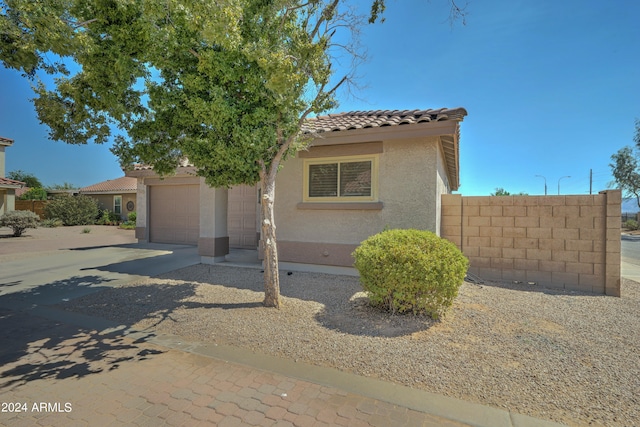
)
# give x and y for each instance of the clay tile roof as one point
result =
(362, 120)
(5, 141)
(11, 183)
(20, 191)
(124, 185)
(379, 118)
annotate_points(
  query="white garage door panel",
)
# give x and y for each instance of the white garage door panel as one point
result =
(174, 214)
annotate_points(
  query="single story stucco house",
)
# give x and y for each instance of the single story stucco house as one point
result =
(116, 195)
(364, 171)
(8, 186)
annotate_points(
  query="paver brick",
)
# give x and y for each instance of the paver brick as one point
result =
(275, 412)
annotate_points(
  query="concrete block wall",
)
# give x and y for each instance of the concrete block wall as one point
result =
(566, 242)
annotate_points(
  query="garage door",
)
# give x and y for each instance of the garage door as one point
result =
(242, 216)
(174, 214)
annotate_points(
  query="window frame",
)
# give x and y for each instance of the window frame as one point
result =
(307, 162)
(116, 206)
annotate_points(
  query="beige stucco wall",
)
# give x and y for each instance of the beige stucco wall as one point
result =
(3, 201)
(408, 189)
(105, 201)
(442, 187)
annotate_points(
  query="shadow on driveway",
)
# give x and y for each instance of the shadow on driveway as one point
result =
(39, 340)
(36, 348)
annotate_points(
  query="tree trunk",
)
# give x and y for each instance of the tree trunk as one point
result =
(271, 276)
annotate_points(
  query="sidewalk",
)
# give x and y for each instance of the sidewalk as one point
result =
(65, 369)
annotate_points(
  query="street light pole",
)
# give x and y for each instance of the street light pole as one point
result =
(559, 183)
(545, 183)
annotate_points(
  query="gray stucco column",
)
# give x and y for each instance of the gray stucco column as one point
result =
(213, 243)
(141, 211)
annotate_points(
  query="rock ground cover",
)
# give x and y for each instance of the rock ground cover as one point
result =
(564, 356)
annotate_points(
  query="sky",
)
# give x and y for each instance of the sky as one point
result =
(552, 88)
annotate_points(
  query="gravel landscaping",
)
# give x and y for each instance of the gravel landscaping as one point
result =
(564, 356)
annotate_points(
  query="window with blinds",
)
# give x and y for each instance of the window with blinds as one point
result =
(340, 179)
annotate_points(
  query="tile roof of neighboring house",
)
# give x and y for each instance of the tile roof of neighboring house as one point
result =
(5, 141)
(20, 191)
(11, 183)
(124, 184)
(379, 118)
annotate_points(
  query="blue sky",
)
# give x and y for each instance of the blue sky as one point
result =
(551, 87)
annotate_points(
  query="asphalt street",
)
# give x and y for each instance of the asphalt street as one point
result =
(631, 249)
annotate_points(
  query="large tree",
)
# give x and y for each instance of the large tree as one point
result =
(626, 172)
(226, 84)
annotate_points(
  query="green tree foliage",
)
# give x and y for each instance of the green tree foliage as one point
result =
(35, 193)
(410, 271)
(19, 221)
(226, 84)
(72, 210)
(29, 179)
(500, 192)
(63, 186)
(624, 168)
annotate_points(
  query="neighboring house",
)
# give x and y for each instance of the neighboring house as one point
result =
(116, 195)
(8, 187)
(365, 171)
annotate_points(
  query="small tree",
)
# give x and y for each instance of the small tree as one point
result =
(36, 193)
(500, 192)
(626, 173)
(29, 179)
(63, 186)
(19, 221)
(226, 84)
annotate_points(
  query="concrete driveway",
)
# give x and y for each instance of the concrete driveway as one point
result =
(50, 264)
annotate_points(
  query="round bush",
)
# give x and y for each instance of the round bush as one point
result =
(19, 221)
(72, 210)
(410, 271)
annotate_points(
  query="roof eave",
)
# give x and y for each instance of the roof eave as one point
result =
(354, 136)
(124, 191)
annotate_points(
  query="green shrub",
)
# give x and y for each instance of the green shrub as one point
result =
(410, 271)
(50, 223)
(72, 210)
(114, 218)
(132, 217)
(103, 217)
(630, 224)
(36, 193)
(19, 221)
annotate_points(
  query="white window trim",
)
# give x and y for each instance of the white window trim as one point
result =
(341, 159)
(115, 198)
